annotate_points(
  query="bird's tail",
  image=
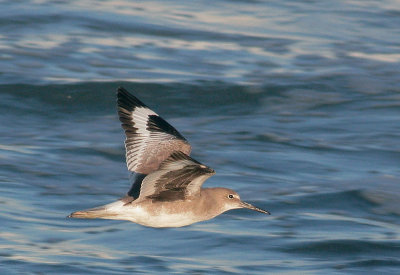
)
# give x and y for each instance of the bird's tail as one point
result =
(94, 213)
(101, 212)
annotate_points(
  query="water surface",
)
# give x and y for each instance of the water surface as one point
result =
(295, 104)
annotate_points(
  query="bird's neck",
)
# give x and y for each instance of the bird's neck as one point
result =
(209, 201)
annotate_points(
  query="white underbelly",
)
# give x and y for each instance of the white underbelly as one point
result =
(161, 218)
(169, 220)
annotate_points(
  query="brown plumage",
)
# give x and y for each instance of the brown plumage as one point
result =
(166, 182)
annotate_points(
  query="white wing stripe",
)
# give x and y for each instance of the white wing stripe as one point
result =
(139, 117)
(149, 138)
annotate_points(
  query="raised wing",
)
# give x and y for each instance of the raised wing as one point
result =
(149, 139)
(178, 177)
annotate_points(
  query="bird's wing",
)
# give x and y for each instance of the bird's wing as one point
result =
(149, 138)
(178, 177)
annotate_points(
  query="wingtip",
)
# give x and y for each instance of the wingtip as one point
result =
(127, 100)
(121, 89)
(122, 93)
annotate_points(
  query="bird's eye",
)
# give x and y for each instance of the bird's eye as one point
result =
(230, 196)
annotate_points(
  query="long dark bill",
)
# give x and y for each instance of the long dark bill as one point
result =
(252, 207)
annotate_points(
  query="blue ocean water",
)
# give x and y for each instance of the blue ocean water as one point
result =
(295, 104)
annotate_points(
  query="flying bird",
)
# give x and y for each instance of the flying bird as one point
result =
(167, 183)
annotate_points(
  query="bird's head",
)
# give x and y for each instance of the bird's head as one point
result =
(231, 200)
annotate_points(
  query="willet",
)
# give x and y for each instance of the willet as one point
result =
(166, 182)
